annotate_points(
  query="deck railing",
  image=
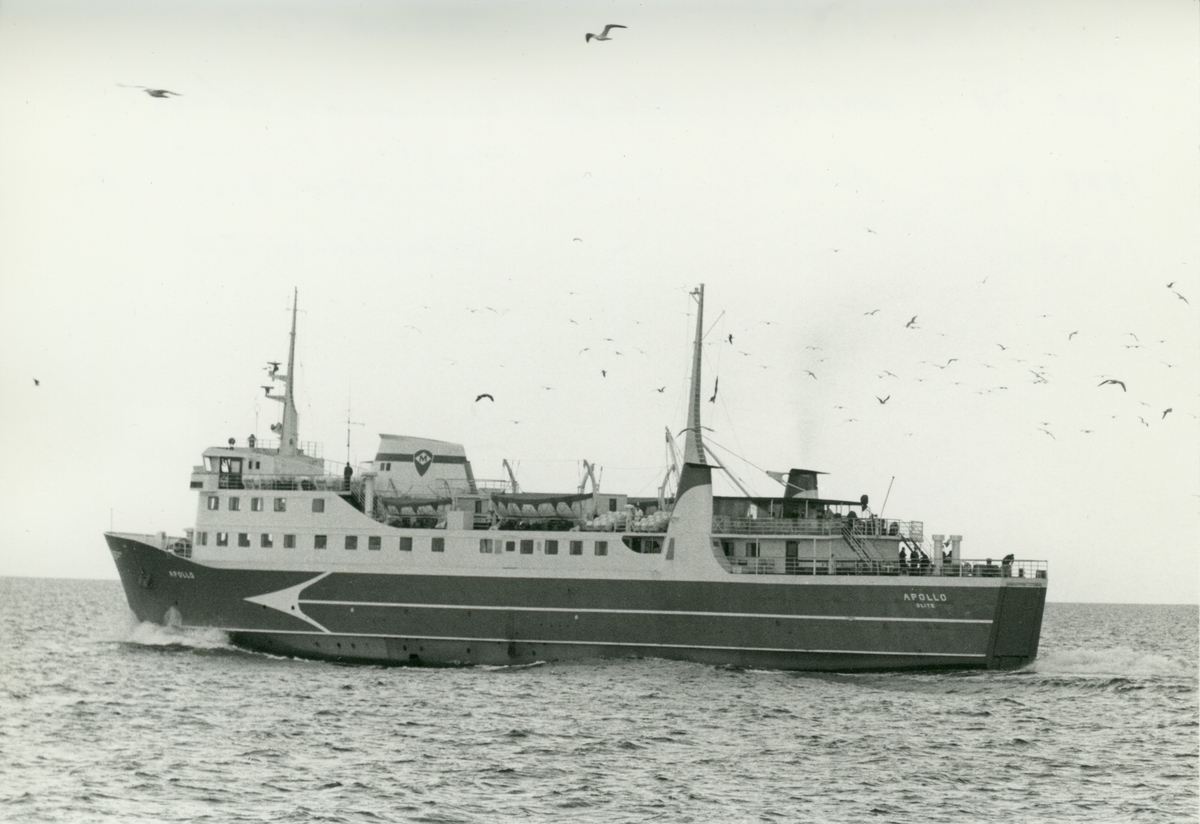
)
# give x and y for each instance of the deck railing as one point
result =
(863, 527)
(809, 566)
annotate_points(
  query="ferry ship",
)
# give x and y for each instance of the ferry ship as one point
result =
(412, 560)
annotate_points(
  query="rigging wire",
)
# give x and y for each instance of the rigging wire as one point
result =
(736, 455)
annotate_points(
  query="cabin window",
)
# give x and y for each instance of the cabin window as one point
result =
(318, 504)
(576, 547)
(351, 542)
(485, 544)
(222, 539)
(214, 502)
(437, 545)
(526, 547)
(266, 542)
(405, 544)
(256, 504)
(640, 544)
(235, 504)
(727, 548)
(479, 507)
(319, 541)
(551, 547)
(289, 541)
(751, 549)
(600, 547)
(374, 542)
(612, 504)
(202, 538)
(510, 546)
(243, 539)
(281, 504)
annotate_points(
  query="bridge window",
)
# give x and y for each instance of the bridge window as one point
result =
(243, 539)
(510, 546)
(256, 504)
(267, 541)
(601, 547)
(318, 504)
(485, 545)
(576, 547)
(235, 504)
(551, 547)
(222, 539)
(374, 542)
(437, 545)
(202, 538)
(727, 548)
(351, 542)
(751, 549)
(214, 502)
(526, 547)
(405, 544)
(281, 504)
(289, 541)
(319, 541)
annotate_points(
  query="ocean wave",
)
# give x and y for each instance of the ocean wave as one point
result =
(147, 634)
(1109, 663)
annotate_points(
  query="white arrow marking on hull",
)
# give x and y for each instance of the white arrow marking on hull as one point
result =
(288, 601)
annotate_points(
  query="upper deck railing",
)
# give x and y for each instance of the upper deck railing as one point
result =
(312, 449)
(988, 568)
(866, 527)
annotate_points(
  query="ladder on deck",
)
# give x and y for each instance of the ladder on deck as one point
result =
(855, 543)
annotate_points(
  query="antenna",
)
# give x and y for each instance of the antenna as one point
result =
(349, 423)
(885, 497)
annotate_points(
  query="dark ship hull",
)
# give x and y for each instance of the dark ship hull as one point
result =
(786, 622)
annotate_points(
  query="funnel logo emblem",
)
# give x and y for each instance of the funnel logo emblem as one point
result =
(422, 460)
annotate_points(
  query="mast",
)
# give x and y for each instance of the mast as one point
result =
(288, 428)
(693, 445)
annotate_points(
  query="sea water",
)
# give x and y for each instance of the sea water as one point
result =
(106, 719)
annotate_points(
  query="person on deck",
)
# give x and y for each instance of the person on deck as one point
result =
(347, 473)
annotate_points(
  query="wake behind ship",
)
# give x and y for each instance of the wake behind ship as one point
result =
(414, 561)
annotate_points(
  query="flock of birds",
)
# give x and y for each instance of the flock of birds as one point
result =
(1012, 366)
(1033, 369)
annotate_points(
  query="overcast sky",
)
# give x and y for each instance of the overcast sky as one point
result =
(471, 198)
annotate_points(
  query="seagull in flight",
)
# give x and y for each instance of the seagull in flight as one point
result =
(1118, 383)
(883, 400)
(37, 382)
(604, 34)
(911, 323)
(153, 92)
(873, 311)
(814, 377)
(480, 397)
(1166, 411)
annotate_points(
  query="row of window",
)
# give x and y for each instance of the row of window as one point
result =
(234, 503)
(266, 540)
(549, 547)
